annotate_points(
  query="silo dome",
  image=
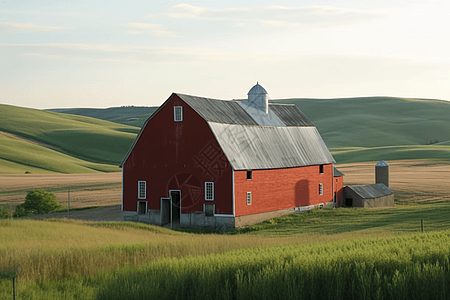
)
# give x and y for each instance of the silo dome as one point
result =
(257, 89)
(259, 98)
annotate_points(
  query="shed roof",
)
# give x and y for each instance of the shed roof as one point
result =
(251, 141)
(371, 191)
(337, 173)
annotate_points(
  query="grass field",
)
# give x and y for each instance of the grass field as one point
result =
(69, 259)
(65, 259)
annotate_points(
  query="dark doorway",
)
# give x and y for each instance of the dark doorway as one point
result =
(175, 196)
(349, 202)
(165, 211)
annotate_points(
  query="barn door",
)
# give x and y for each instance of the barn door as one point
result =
(165, 211)
(175, 196)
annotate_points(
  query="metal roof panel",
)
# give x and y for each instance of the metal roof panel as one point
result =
(290, 114)
(259, 147)
(371, 191)
(220, 111)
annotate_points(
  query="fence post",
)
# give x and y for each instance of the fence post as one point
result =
(68, 202)
(421, 225)
(14, 287)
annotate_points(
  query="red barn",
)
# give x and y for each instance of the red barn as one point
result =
(213, 163)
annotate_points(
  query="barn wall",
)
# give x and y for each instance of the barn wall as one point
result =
(279, 189)
(339, 190)
(357, 199)
(386, 201)
(182, 156)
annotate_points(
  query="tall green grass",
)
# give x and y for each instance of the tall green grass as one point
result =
(411, 267)
(406, 267)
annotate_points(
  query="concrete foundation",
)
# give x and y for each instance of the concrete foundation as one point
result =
(200, 220)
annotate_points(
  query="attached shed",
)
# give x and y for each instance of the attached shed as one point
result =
(338, 187)
(369, 196)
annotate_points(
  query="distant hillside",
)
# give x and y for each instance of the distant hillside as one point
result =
(127, 115)
(93, 144)
(377, 121)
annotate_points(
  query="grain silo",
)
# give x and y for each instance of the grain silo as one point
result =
(382, 173)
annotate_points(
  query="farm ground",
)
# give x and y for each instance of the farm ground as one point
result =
(413, 181)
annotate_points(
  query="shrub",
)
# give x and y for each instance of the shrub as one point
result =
(20, 211)
(37, 202)
(4, 213)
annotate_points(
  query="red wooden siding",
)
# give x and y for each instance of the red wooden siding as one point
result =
(278, 189)
(182, 156)
(339, 190)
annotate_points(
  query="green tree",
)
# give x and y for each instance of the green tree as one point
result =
(41, 202)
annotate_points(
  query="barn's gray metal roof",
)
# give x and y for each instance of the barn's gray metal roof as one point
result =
(220, 111)
(337, 173)
(285, 138)
(290, 114)
(260, 116)
(371, 191)
(235, 112)
(261, 147)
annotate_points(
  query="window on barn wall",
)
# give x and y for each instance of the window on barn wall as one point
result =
(249, 198)
(209, 191)
(249, 174)
(320, 189)
(142, 189)
(321, 169)
(178, 113)
(142, 207)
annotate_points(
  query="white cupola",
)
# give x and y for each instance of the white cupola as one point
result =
(259, 98)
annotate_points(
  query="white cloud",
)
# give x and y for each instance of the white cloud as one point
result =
(155, 29)
(276, 16)
(12, 27)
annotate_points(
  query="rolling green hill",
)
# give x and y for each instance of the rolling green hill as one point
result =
(88, 143)
(127, 115)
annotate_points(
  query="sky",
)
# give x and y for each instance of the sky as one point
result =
(61, 54)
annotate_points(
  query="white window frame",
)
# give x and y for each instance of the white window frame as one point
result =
(209, 191)
(144, 189)
(250, 172)
(249, 198)
(320, 188)
(178, 113)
